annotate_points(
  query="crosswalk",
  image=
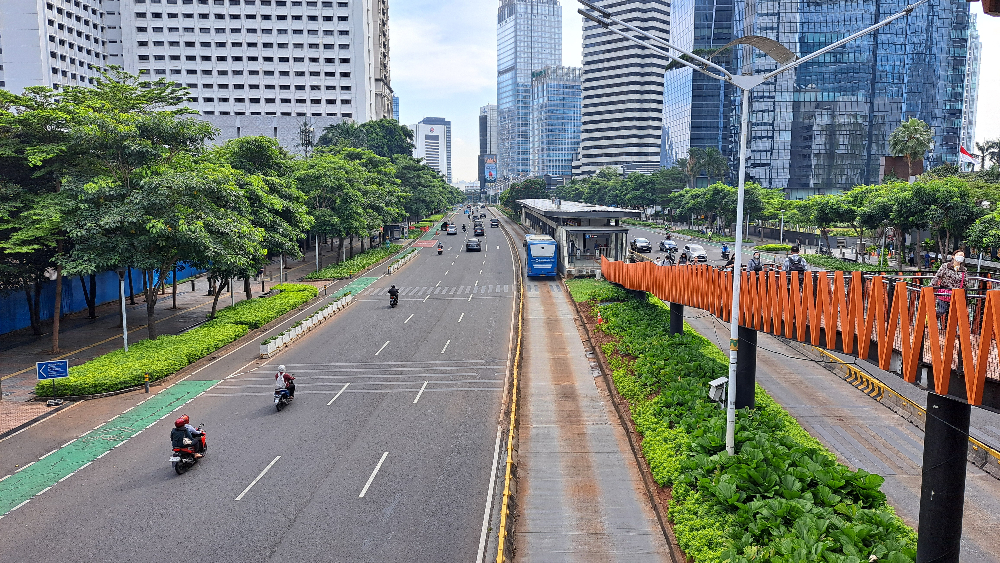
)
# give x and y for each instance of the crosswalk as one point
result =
(415, 291)
(408, 377)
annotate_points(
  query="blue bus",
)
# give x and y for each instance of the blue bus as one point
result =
(542, 255)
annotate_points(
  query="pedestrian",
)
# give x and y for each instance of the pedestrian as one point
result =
(927, 259)
(659, 261)
(950, 276)
(755, 264)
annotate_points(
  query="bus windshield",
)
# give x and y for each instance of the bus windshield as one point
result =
(542, 250)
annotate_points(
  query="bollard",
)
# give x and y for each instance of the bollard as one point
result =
(192, 284)
(746, 368)
(147, 382)
(676, 318)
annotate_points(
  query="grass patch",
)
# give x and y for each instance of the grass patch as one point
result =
(773, 247)
(168, 354)
(831, 263)
(590, 289)
(783, 497)
(360, 263)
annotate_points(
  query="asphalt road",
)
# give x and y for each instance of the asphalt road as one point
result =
(385, 454)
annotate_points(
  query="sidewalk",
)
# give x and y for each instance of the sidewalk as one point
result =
(580, 493)
(82, 339)
(865, 434)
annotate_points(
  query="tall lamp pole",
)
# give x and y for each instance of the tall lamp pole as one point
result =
(121, 284)
(746, 81)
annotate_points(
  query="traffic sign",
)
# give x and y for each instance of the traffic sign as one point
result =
(52, 370)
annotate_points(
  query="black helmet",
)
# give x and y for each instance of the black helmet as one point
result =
(393, 287)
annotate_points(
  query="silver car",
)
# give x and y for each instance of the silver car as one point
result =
(695, 253)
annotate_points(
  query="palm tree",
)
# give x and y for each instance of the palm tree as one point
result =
(911, 139)
(988, 149)
(715, 164)
(693, 164)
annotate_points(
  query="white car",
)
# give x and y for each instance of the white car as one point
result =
(695, 253)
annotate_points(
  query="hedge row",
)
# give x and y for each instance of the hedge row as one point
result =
(360, 263)
(783, 497)
(168, 354)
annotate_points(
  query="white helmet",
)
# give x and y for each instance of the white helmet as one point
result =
(281, 367)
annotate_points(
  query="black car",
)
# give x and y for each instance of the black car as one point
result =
(668, 246)
(479, 231)
(472, 245)
(494, 223)
(641, 245)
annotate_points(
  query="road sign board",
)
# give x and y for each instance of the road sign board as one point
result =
(52, 370)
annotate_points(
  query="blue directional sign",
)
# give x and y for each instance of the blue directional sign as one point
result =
(52, 370)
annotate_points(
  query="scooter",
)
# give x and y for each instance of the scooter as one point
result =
(281, 398)
(393, 301)
(184, 458)
(725, 255)
(440, 250)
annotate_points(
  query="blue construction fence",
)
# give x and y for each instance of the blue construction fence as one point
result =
(14, 313)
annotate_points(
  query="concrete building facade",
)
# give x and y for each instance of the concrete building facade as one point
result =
(432, 142)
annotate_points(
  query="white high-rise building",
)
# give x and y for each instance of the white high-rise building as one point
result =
(622, 90)
(967, 137)
(432, 142)
(254, 67)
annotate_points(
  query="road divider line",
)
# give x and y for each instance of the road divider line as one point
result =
(338, 394)
(408, 318)
(262, 473)
(372, 477)
(460, 317)
(445, 346)
(445, 273)
(382, 348)
(470, 297)
(425, 298)
(421, 392)
(439, 282)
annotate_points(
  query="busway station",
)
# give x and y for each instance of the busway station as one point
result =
(584, 233)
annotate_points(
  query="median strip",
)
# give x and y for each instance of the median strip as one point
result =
(19, 488)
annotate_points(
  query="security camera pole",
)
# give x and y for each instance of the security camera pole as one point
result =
(746, 81)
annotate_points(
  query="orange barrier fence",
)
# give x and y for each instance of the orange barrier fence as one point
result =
(865, 317)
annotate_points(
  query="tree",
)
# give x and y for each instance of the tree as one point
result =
(988, 150)
(827, 211)
(911, 139)
(429, 193)
(714, 164)
(384, 137)
(332, 186)
(532, 188)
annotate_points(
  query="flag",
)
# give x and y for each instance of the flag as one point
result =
(966, 156)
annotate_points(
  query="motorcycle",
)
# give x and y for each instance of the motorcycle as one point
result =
(440, 250)
(725, 255)
(184, 458)
(393, 301)
(281, 398)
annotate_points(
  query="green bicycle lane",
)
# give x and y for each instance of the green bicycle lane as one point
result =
(58, 465)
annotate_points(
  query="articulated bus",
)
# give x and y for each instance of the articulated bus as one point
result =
(542, 255)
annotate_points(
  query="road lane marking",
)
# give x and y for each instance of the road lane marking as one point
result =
(408, 318)
(445, 346)
(338, 394)
(470, 297)
(498, 248)
(438, 283)
(480, 272)
(460, 317)
(446, 272)
(424, 386)
(425, 298)
(382, 348)
(452, 263)
(484, 261)
(254, 482)
(372, 477)
(489, 498)
(477, 283)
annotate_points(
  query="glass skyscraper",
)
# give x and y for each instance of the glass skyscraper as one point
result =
(529, 38)
(555, 120)
(823, 127)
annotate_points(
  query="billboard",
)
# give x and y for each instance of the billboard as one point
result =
(488, 169)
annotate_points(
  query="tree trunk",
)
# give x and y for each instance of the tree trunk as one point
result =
(150, 291)
(173, 290)
(246, 288)
(215, 299)
(34, 302)
(352, 246)
(90, 296)
(57, 309)
(341, 251)
(131, 288)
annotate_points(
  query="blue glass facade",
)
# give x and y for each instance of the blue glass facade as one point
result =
(555, 120)
(529, 38)
(823, 127)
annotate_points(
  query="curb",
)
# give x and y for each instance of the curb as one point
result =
(66, 404)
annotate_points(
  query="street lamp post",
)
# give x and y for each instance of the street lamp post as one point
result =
(121, 284)
(746, 81)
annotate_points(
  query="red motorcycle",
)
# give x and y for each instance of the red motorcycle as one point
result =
(184, 457)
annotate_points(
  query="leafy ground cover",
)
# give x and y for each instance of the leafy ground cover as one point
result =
(638, 223)
(831, 263)
(782, 498)
(360, 263)
(773, 247)
(167, 354)
(715, 238)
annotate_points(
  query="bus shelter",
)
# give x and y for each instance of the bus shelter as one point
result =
(583, 232)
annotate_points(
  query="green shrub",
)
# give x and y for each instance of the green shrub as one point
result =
(773, 247)
(590, 289)
(168, 354)
(783, 497)
(715, 237)
(360, 263)
(832, 264)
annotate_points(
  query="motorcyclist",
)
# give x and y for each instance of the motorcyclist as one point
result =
(725, 249)
(464, 228)
(183, 429)
(284, 380)
(393, 293)
(440, 248)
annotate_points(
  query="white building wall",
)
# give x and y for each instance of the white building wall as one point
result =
(432, 142)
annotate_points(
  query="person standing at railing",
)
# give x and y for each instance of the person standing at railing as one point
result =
(755, 265)
(951, 275)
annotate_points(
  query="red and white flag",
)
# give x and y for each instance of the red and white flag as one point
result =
(966, 156)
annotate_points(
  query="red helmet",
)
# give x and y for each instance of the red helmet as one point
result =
(180, 422)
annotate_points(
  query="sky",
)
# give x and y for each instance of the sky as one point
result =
(443, 64)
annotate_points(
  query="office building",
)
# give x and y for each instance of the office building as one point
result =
(823, 127)
(432, 142)
(529, 37)
(622, 88)
(970, 103)
(395, 108)
(555, 120)
(253, 67)
(488, 138)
